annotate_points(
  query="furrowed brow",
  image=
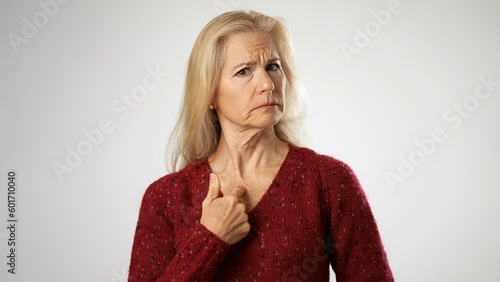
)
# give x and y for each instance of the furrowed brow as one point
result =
(274, 60)
(246, 64)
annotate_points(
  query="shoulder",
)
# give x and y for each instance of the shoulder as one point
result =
(332, 171)
(321, 161)
(170, 184)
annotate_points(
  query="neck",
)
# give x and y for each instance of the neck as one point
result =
(244, 152)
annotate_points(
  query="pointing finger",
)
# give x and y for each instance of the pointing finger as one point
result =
(213, 188)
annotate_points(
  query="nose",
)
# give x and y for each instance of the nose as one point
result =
(266, 84)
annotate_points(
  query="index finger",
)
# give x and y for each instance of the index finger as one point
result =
(213, 188)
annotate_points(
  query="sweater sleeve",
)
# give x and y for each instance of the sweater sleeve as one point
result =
(155, 254)
(358, 253)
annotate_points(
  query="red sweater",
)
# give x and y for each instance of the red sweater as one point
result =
(314, 214)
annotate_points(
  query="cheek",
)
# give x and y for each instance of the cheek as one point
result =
(279, 85)
(279, 81)
(229, 101)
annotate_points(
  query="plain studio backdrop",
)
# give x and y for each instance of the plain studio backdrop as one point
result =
(406, 92)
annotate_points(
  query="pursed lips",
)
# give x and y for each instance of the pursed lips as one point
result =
(268, 105)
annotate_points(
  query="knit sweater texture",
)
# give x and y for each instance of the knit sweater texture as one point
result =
(313, 215)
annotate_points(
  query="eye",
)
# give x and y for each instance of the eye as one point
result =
(273, 67)
(243, 72)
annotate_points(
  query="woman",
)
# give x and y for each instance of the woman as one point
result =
(249, 204)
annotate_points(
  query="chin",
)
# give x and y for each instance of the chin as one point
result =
(269, 122)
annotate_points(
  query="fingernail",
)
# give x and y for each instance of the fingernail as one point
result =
(212, 178)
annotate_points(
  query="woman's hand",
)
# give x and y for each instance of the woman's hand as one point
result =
(225, 216)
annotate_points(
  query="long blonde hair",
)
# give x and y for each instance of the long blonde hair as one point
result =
(197, 131)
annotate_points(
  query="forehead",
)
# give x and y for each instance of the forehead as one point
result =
(249, 45)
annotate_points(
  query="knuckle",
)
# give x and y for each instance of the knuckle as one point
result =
(240, 207)
(241, 190)
(245, 217)
(232, 199)
(246, 228)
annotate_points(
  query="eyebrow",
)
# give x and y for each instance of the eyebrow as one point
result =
(251, 63)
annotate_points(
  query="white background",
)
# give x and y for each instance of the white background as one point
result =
(440, 224)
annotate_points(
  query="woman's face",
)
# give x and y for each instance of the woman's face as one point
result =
(251, 86)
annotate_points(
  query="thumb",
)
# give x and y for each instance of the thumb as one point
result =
(213, 189)
(239, 191)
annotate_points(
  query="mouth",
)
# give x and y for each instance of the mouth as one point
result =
(268, 105)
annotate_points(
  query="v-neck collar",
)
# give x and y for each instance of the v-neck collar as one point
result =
(277, 182)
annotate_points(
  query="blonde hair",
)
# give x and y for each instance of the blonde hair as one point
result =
(197, 131)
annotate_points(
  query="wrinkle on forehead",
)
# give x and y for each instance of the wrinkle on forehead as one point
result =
(263, 42)
(249, 46)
